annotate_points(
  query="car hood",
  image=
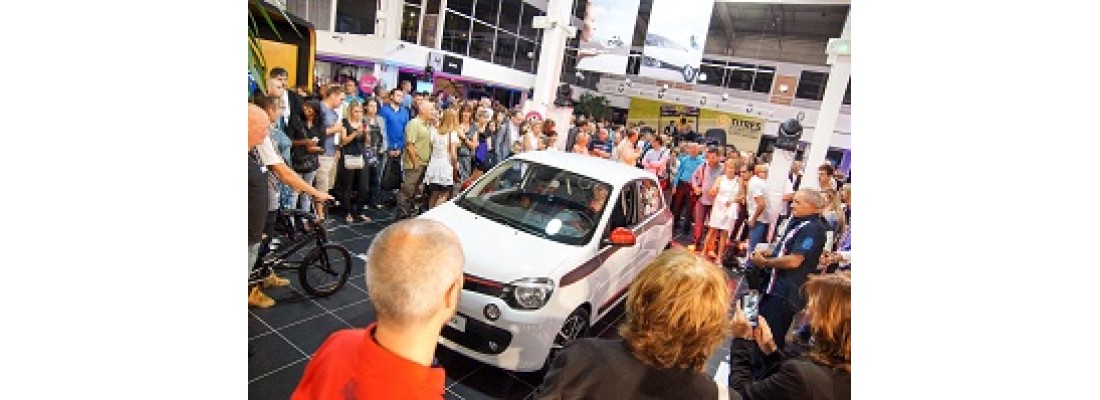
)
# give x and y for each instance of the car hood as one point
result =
(499, 252)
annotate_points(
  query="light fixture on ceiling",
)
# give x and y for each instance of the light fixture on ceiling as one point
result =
(702, 76)
(748, 108)
(628, 82)
(703, 100)
(783, 88)
(725, 96)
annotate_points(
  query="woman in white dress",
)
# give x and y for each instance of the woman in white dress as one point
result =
(439, 176)
(726, 189)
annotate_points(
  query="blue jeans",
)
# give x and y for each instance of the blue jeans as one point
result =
(307, 201)
(253, 254)
(758, 234)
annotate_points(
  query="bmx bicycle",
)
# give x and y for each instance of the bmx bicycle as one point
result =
(324, 268)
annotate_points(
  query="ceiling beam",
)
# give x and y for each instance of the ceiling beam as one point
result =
(818, 2)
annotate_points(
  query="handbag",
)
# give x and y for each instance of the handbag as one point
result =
(354, 161)
(302, 161)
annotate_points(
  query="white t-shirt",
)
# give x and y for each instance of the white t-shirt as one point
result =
(268, 155)
(757, 188)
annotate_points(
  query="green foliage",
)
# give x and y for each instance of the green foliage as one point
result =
(597, 107)
(257, 66)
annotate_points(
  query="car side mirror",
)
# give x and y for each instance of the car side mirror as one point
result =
(620, 237)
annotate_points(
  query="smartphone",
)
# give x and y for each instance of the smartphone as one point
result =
(750, 305)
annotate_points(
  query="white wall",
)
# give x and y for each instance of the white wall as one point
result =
(379, 50)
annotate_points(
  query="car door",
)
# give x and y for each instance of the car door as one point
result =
(650, 228)
(619, 261)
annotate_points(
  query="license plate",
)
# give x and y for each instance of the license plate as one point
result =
(458, 322)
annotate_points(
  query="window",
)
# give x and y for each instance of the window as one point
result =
(651, 198)
(456, 33)
(528, 14)
(482, 40)
(714, 70)
(486, 11)
(505, 49)
(634, 63)
(509, 15)
(462, 6)
(525, 55)
(763, 81)
(625, 211)
(811, 85)
(540, 200)
(355, 16)
(757, 78)
(410, 25)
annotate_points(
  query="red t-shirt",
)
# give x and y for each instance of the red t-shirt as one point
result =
(351, 365)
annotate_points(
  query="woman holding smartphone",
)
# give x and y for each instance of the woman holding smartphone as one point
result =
(824, 372)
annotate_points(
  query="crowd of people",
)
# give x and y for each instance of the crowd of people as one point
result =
(366, 148)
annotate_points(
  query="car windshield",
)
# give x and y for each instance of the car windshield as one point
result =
(541, 200)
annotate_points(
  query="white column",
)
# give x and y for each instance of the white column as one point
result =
(388, 24)
(551, 55)
(839, 73)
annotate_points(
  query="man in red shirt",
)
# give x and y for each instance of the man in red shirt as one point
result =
(414, 276)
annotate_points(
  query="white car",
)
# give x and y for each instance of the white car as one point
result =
(662, 52)
(544, 258)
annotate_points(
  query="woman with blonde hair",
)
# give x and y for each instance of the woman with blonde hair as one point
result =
(824, 372)
(676, 317)
(439, 176)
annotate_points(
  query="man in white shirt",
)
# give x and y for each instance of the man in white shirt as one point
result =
(273, 162)
(626, 151)
(757, 205)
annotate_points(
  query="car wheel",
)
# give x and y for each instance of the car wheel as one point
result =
(689, 73)
(574, 327)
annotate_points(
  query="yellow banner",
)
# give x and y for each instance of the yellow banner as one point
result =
(742, 131)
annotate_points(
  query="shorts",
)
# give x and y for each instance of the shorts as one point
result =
(436, 187)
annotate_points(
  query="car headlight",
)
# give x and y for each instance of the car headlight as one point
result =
(528, 293)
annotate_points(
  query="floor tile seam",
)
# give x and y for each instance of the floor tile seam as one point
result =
(280, 335)
(291, 364)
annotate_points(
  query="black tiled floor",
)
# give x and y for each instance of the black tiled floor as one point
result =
(290, 306)
(276, 367)
(278, 385)
(309, 336)
(269, 353)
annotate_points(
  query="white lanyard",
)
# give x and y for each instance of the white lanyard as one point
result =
(783, 247)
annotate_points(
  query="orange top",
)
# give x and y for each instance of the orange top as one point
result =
(351, 365)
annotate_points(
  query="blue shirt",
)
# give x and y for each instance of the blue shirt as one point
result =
(688, 165)
(395, 126)
(329, 119)
(600, 144)
(809, 241)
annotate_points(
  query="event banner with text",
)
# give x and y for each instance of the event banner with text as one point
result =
(674, 43)
(606, 34)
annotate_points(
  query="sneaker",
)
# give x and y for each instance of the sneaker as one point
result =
(275, 281)
(258, 299)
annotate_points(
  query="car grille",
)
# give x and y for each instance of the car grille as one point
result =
(478, 336)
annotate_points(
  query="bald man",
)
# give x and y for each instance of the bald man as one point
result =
(414, 277)
(262, 152)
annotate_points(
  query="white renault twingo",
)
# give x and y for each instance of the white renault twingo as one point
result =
(552, 242)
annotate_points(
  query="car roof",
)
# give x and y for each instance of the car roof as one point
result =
(613, 172)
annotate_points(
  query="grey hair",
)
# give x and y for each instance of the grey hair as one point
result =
(410, 267)
(814, 197)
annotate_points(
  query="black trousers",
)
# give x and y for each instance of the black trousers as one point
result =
(354, 188)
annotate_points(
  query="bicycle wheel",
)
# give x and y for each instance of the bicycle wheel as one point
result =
(325, 269)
